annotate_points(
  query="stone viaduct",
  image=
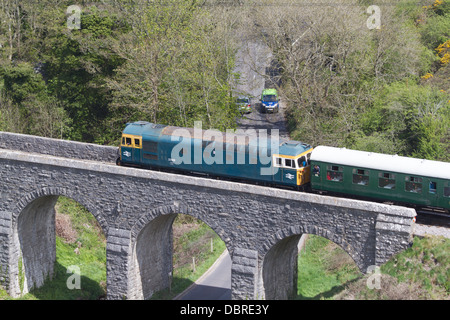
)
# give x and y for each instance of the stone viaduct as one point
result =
(135, 208)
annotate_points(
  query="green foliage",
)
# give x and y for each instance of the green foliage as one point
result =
(323, 269)
(174, 70)
(425, 263)
(411, 118)
(435, 31)
(25, 97)
(419, 272)
(21, 82)
(164, 62)
(407, 119)
(77, 67)
(2, 122)
(377, 98)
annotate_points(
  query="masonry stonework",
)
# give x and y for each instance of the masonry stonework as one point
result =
(136, 208)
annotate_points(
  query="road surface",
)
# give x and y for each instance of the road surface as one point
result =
(214, 284)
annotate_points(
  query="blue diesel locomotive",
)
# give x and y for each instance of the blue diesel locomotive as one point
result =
(240, 156)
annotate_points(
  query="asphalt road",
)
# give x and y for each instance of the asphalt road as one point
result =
(215, 284)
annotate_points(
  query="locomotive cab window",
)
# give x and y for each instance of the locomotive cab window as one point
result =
(302, 162)
(279, 162)
(131, 141)
(361, 177)
(386, 180)
(413, 184)
(285, 163)
(289, 163)
(335, 173)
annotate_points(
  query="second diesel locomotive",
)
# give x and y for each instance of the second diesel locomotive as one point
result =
(294, 164)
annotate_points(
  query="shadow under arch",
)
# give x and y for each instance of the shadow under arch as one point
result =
(34, 237)
(279, 268)
(151, 264)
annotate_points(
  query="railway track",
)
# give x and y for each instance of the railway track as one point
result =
(433, 218)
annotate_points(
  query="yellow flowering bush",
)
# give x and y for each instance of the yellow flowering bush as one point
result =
(427, 76)
(436, 4)
(443, 51)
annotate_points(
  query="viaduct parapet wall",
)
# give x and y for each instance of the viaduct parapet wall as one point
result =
(58, 147)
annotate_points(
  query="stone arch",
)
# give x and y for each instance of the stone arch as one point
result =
(152, 249)
(279, 267)
(315, 230)
(176, 208)
(33, 237)
(65, 192)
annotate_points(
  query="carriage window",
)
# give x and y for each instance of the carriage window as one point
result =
(123, 141)
(361, 177)
(316, 170)
(386, 180)
(137, 143)
(447, 190)
(335, 173)
(432, 187)
(128, 141)
(413, 184)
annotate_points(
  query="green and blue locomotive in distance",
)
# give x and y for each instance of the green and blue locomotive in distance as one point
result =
(293, 164)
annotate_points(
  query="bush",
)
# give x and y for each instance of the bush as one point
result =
(408, 119)
(435, 31)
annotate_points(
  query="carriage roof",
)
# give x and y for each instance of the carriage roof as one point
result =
(383, 162)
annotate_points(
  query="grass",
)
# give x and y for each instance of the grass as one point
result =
(323, 269)
(419, 272)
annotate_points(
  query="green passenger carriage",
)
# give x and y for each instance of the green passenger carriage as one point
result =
(390, 178)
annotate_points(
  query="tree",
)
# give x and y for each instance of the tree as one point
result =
(333, 65)
(77, 63)
(173, 71)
